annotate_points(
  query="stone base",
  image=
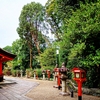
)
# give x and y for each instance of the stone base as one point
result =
(64, 93)
(1, 78)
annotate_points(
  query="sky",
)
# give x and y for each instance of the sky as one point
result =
(9, 19)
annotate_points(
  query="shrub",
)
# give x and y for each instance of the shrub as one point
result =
(39, 72)
(7, 71)
(29, 72)
(13, 72)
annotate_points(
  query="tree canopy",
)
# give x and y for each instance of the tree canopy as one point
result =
(31, 24)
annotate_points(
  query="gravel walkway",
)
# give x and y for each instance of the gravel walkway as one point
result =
(46, 91)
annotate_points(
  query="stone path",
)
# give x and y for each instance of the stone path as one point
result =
(31, 89)
(17, 90)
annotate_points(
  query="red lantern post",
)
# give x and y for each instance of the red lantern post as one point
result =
(79, 77)
(48, 73)
(58, 78)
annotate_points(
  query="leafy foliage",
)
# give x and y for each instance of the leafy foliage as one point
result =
(82, 37)
(20, 48)
(8, 49)
(58, 10)
(47, 58)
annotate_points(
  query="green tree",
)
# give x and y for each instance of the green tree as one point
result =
(31, 25)
(20, 48)
(58, 10)
(8, 48)
(81, 38)
(47, 58)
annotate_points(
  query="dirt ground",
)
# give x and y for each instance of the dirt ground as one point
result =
(46, 91)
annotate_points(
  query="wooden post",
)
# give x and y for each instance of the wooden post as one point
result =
(1, 74)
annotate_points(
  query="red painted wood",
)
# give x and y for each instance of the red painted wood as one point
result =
(48, 73)
(0, 68)
(80, 79)
(59, 80)
(80, 88)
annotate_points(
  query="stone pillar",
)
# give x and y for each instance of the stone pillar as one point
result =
(54, 77)
(21, 72)
(17, 73)
(43, 76)
(34, 75)
(63, 86)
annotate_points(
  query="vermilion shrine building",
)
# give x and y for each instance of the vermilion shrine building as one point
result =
(4, 56)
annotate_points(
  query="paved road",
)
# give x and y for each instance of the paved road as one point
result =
(17, 90)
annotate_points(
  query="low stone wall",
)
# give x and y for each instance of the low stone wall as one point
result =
(88, 91)
(91, 91)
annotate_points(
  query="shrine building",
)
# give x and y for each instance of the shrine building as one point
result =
(4, 57)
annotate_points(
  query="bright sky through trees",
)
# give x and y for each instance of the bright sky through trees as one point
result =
(9, 14)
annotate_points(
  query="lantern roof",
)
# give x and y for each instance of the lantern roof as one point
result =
(76, 69)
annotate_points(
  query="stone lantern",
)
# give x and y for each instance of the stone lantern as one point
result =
(21, 71)
(43, 72)
(34, 74)
(63, 71)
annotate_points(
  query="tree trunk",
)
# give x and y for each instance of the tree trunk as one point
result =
(37, 46)
(31, 58)
(98, 73)
(35, 36)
